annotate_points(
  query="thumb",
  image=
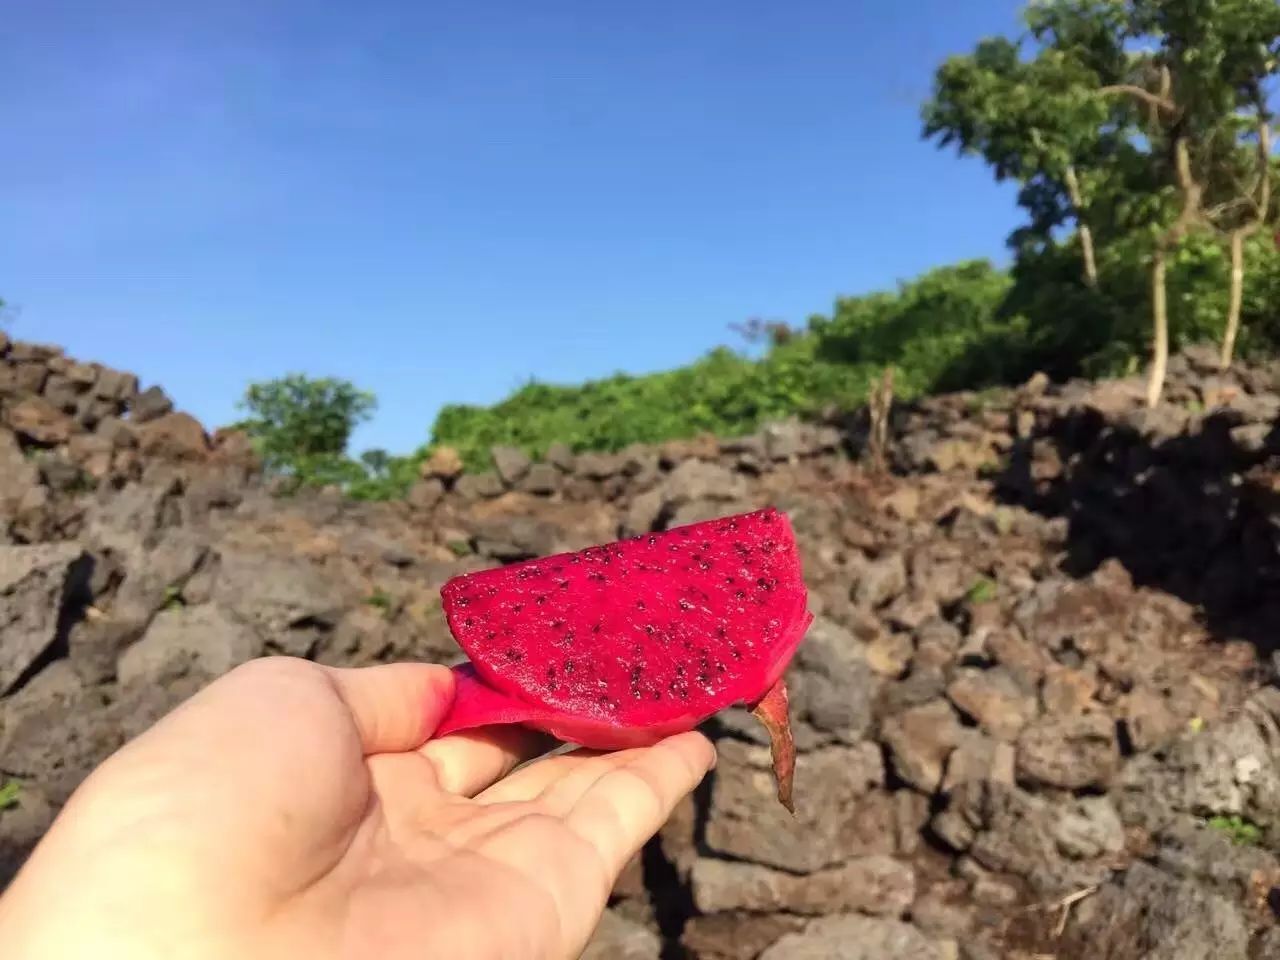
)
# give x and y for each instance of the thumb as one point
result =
(395, 706)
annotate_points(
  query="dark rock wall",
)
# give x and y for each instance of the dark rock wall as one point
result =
(1036, 713)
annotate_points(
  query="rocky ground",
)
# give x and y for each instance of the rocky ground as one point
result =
(1038, 710)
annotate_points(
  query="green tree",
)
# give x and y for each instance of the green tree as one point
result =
(1033, 120)
(301, 426)
(377, 461)
(1125, 116)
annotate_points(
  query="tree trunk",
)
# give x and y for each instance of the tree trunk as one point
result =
(1160, 322)
(1190, 215)
(1235, 300)
(1262, 207)
(1086, 234)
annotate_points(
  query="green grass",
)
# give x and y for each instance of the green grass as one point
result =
(1242, 832)
(460, 548)
(10, 790)
(172, 598)
(381, 600)
(982, 591)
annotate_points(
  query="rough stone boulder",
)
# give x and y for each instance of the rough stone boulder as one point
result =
(920, 741)
(204, 639)
(55, 730)
(42, 589)
(1150, 914)
(876, 885)
(173, 436)
(840, 813)
(284, 599)
(1069, 753)
(853, 937)
(617, 938)
(1229, 770)
(40, 421)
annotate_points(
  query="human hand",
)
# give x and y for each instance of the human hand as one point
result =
(294, 810)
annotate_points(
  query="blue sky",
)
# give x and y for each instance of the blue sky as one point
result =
(441, 199)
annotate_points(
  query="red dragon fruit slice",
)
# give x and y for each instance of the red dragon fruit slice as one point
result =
(623, 644)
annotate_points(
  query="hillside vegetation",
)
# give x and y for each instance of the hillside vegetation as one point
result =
(1140, 134)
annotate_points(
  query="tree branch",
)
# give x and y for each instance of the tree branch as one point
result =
(1146, 96)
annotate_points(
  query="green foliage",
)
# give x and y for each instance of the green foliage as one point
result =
(966, 326)
(172, 598)
(940, 332)
(1242, 832)
(459, 548)
(723, 393)
(301, 425)
(10, 791)
(983, 591)
(1066, 111)
(388, 479)
(383, 601)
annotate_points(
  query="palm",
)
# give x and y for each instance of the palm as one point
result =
(523, 867)
(356, 841)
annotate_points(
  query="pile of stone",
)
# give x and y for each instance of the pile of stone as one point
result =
(1037, 713)
(67, 426)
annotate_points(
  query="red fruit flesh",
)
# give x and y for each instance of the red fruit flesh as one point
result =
(623, 644)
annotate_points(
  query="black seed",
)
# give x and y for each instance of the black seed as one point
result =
(739, 595)
(517, 607)
(490, 635)
(652, 540)
(650, 629)
(513, 654)
(469, 622)
(568, 667)
(685, 604)
(705, 565)
(575, 559)
(463, 601)
(542, 598)
(639, 604)
(595, 627)
(557, 623)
